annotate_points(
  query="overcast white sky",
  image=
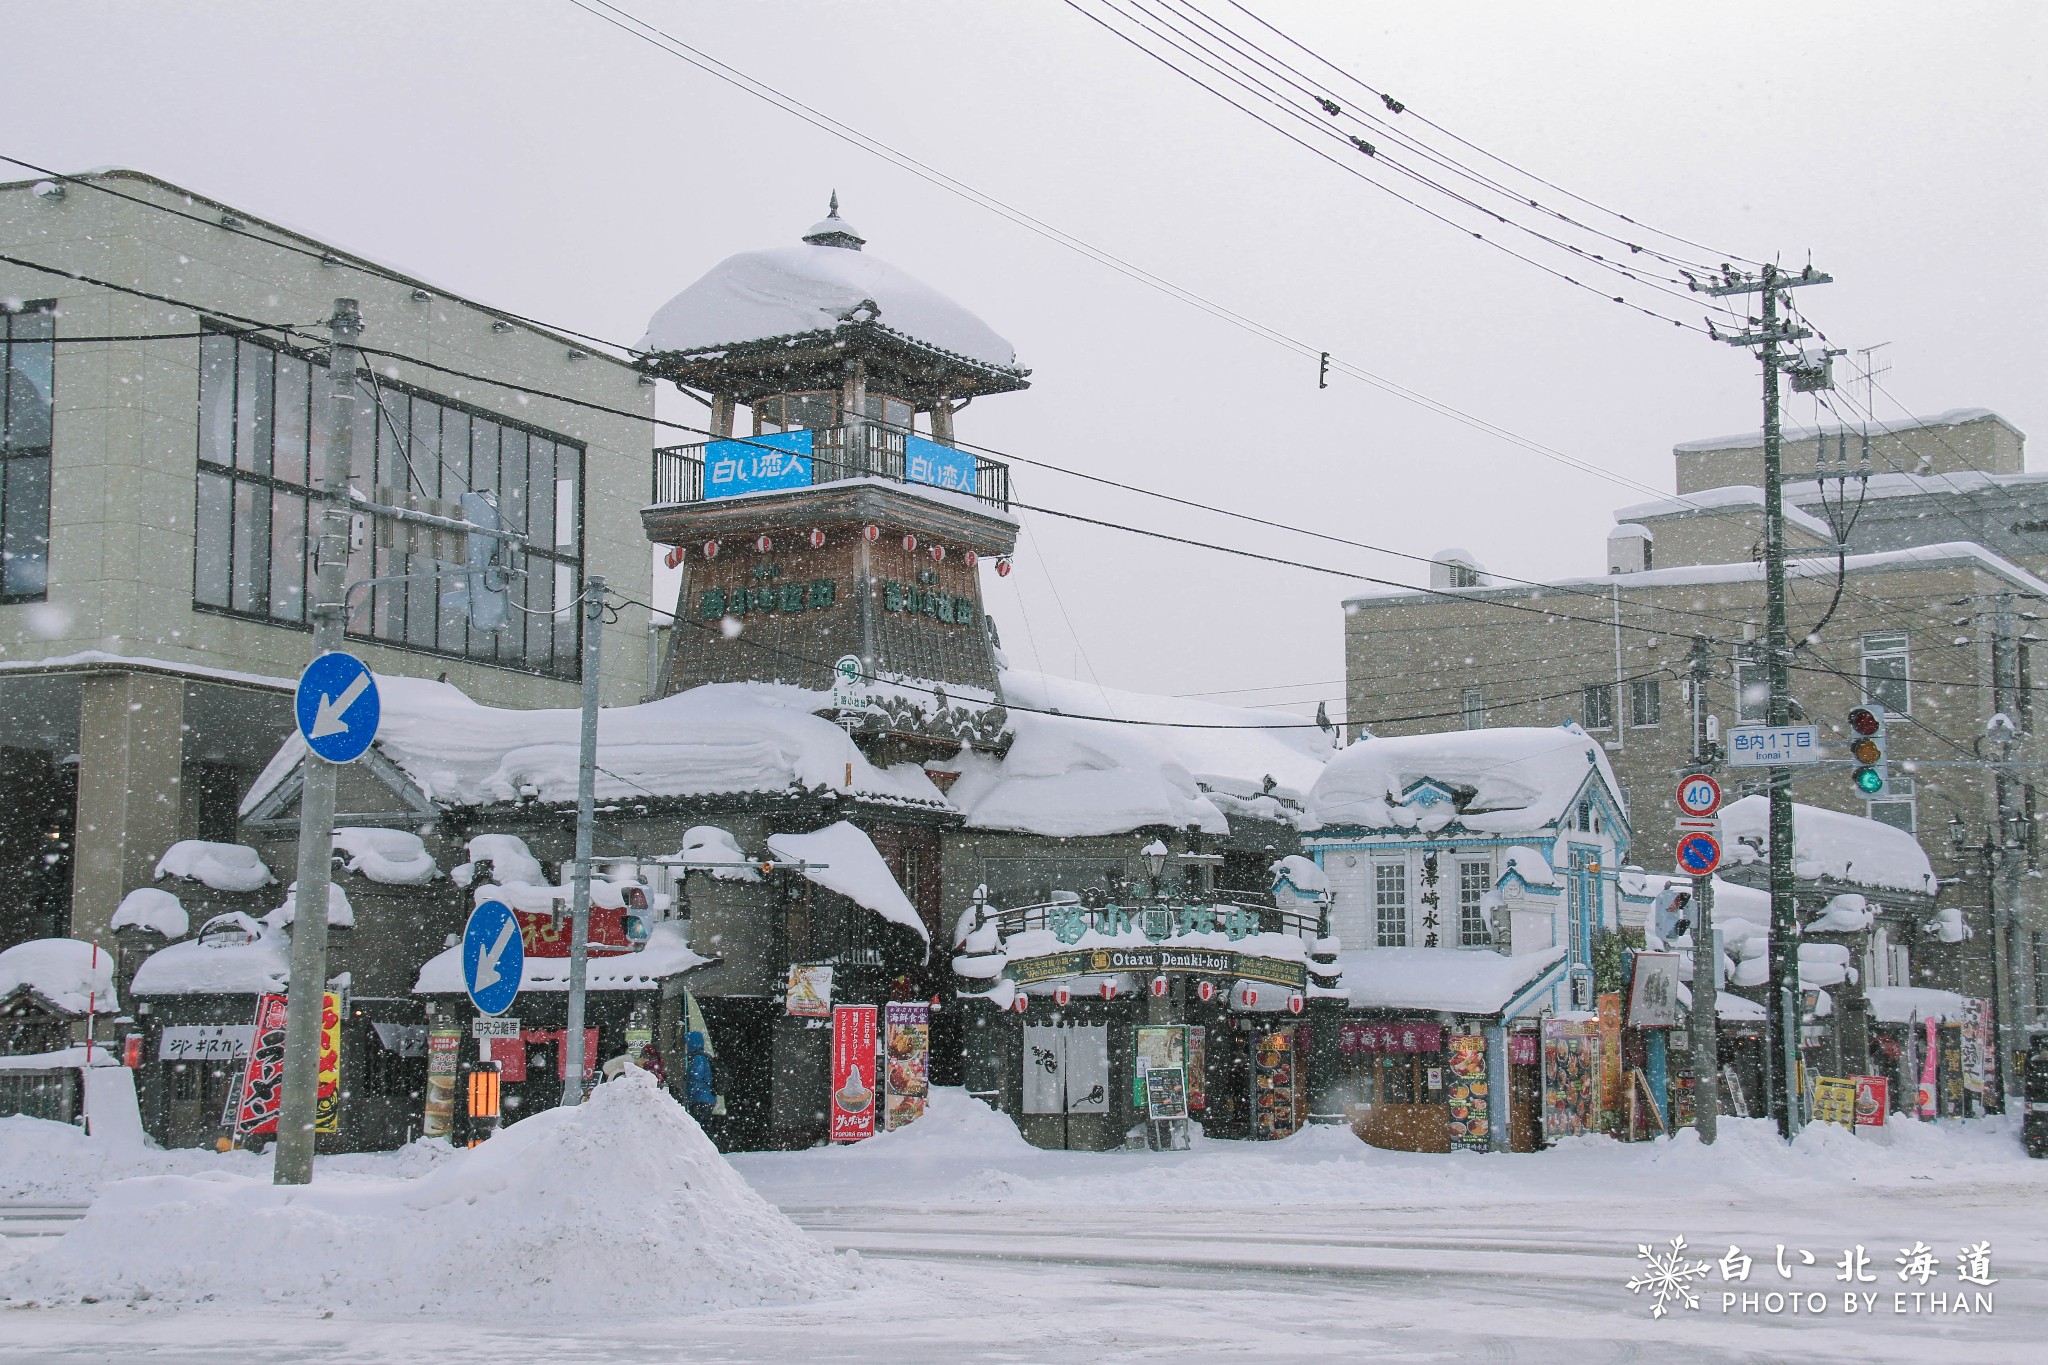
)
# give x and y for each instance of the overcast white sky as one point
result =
(526, 154)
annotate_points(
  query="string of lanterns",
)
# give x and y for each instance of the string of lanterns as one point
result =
(817, 538)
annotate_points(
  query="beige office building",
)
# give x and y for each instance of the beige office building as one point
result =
(1940, 568)
(163, 426)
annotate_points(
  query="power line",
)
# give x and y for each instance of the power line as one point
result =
(1397, 107)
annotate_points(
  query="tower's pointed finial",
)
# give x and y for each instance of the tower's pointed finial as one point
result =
(832, 230)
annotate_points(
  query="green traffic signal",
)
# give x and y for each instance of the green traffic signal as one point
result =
(1869, 781)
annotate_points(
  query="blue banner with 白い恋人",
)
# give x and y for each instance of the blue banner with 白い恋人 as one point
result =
(940, 466)
(757, 464)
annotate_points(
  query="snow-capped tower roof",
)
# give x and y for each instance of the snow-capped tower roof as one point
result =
(785, 319)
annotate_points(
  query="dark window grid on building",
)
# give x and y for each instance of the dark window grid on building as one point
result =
(1390, 904)
(1598, 699)
(1472, 706)
(28, 359)
(1752, 689)
(1474, 881)
(1898, 806)
(1646, 702)
(262, 437)
(1887, 672)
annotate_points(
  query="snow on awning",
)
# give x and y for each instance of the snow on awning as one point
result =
(841, 858)
(666, 953)
(1832, 844)
(220, 867)
(1903, 1004)
(1454, 980)
(69, 973)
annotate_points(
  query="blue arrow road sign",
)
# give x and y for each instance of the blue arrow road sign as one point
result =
(493, 958)
(1699, 854)
(337, 707)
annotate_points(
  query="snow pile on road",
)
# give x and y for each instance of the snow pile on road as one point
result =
(152, 907)
(70, 974)
(220, 867)
(954, 1125)
(394, 857)
(43, 1162)
(619, 1206)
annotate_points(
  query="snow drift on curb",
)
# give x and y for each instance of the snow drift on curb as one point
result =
(619, 1206)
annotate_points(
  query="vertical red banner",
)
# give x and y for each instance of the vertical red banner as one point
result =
(254, 1104)
(853, 1072)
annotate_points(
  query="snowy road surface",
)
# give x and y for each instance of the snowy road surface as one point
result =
(978, 1248)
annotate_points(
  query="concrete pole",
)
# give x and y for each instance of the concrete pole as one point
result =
(294, 1162)
(1704, 1025)
(592, 606)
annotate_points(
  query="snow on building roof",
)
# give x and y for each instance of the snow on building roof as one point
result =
(1903, 485)
(666, 953)
(1712, 500)
(840, 858)
(340, 914)
(510, 859)
(793, 290)
(234, 954)
(1303, 874)
(720, 738)
(1833, 844)
(713, 849)
(1459, 980)
(1742, 440)
(393, 857)
(152, 907)
(1811, 567)
(220, 867)
(71, 974)
(1521, 778)
(1902, 1004)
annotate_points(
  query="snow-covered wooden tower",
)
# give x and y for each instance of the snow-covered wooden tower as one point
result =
(836, 541)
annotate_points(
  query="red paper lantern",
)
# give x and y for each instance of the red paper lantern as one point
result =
(1021, 1003)
(763, 544)
(871, 534)
(1206, 989)
(1159, 985)
(939, 553)
(1061, 995)
(673, 557)
(910, 544)
(817, 540)
(1294, 1004)
(1003, 567)
(1109, 990)
(711, 549)
(1251, 998)
(971, 559)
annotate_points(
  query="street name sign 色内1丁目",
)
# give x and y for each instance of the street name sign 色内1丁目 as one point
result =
(337, 707)
(493, 958)
(1773, 746)
(1698, 854)
(1698, 796)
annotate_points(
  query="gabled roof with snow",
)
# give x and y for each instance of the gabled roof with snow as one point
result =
(798, 290)
(69, 973)
(1832, 844)
(712, 740)
(1513, 780)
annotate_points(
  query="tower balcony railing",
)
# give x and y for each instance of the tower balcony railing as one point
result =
(796, 459)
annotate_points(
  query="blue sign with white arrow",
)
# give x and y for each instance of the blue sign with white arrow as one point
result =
(493, 957)
(337, 707)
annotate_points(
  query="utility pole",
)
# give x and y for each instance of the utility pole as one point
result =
(592, 606)
(301, 1081)
(1704, 1025)
(2013, 831)
(1767, 334)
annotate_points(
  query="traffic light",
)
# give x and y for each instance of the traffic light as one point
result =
(1866, 746)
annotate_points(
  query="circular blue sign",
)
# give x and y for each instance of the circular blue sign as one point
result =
(337, 707)
(493, 957)
(1699, 854)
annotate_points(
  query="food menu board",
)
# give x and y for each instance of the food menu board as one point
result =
(1571, 1075)
(1276, 1065)
(908, 1044)
(1465, 1055)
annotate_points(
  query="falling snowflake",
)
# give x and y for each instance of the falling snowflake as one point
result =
(1669, 1276)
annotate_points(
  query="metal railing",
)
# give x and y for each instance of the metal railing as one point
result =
(679, 470)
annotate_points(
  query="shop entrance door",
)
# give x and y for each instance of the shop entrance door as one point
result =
(1066, 1085)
